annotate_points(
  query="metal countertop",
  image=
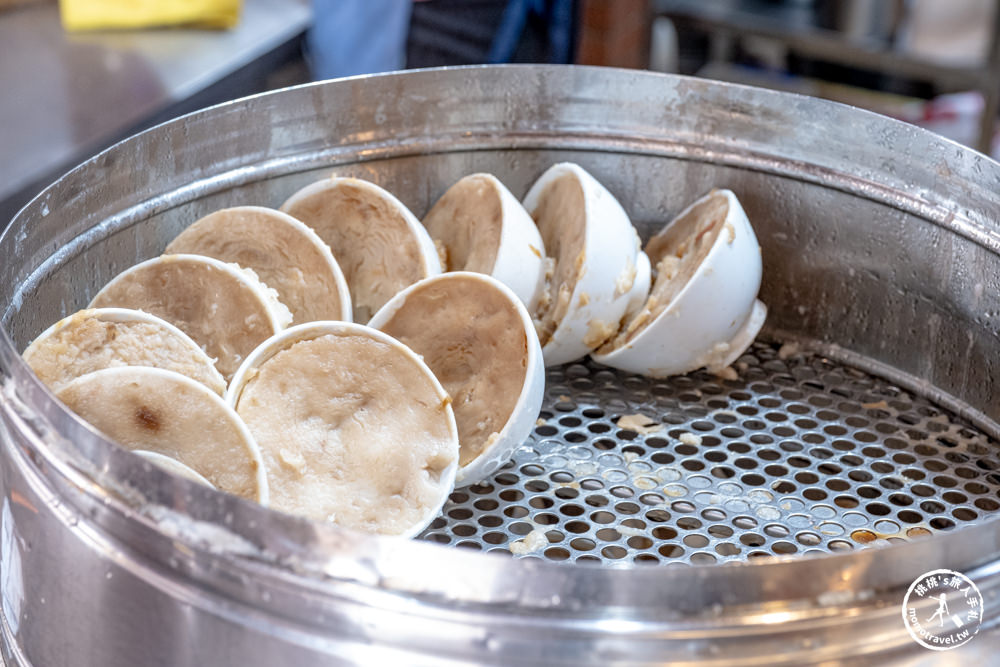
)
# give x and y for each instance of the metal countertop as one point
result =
(67, 96)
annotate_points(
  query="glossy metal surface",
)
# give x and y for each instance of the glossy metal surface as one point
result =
(794, 454)
(879, 246)
(68, 95)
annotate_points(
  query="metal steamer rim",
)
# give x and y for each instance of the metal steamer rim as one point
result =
(798, 455)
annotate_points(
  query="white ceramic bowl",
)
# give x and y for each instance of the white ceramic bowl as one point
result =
(475, 335)
(152, 409)
(378, 243)
(595, 250)
(66, 350)
(223, 307)
(482, 227)
(708, 314)
(296, 463)
(173, 466)
(284, 252)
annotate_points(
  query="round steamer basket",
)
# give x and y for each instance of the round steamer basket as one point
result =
(775, 518)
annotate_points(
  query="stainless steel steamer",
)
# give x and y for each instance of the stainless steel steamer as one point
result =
(855, 467)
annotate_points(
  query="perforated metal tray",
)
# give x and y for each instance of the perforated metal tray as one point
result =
(798, 454)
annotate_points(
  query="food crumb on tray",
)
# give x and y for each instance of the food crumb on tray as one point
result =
(788, 350)
(533, 541)
(690, 439)
(727, 373)
(639, 423)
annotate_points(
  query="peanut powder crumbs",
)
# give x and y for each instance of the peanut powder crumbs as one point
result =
(690, 439)
(533, 541)
(442, 252)
(639, 423)
(598, 331)
(625, 280)
(788, 350)
(727, 373)
(732, 232)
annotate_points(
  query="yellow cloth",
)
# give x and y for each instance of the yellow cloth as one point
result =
(99, 14)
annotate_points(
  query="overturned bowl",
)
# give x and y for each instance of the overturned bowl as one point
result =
(702, 311)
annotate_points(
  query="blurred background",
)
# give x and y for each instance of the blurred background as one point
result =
(79, 75)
